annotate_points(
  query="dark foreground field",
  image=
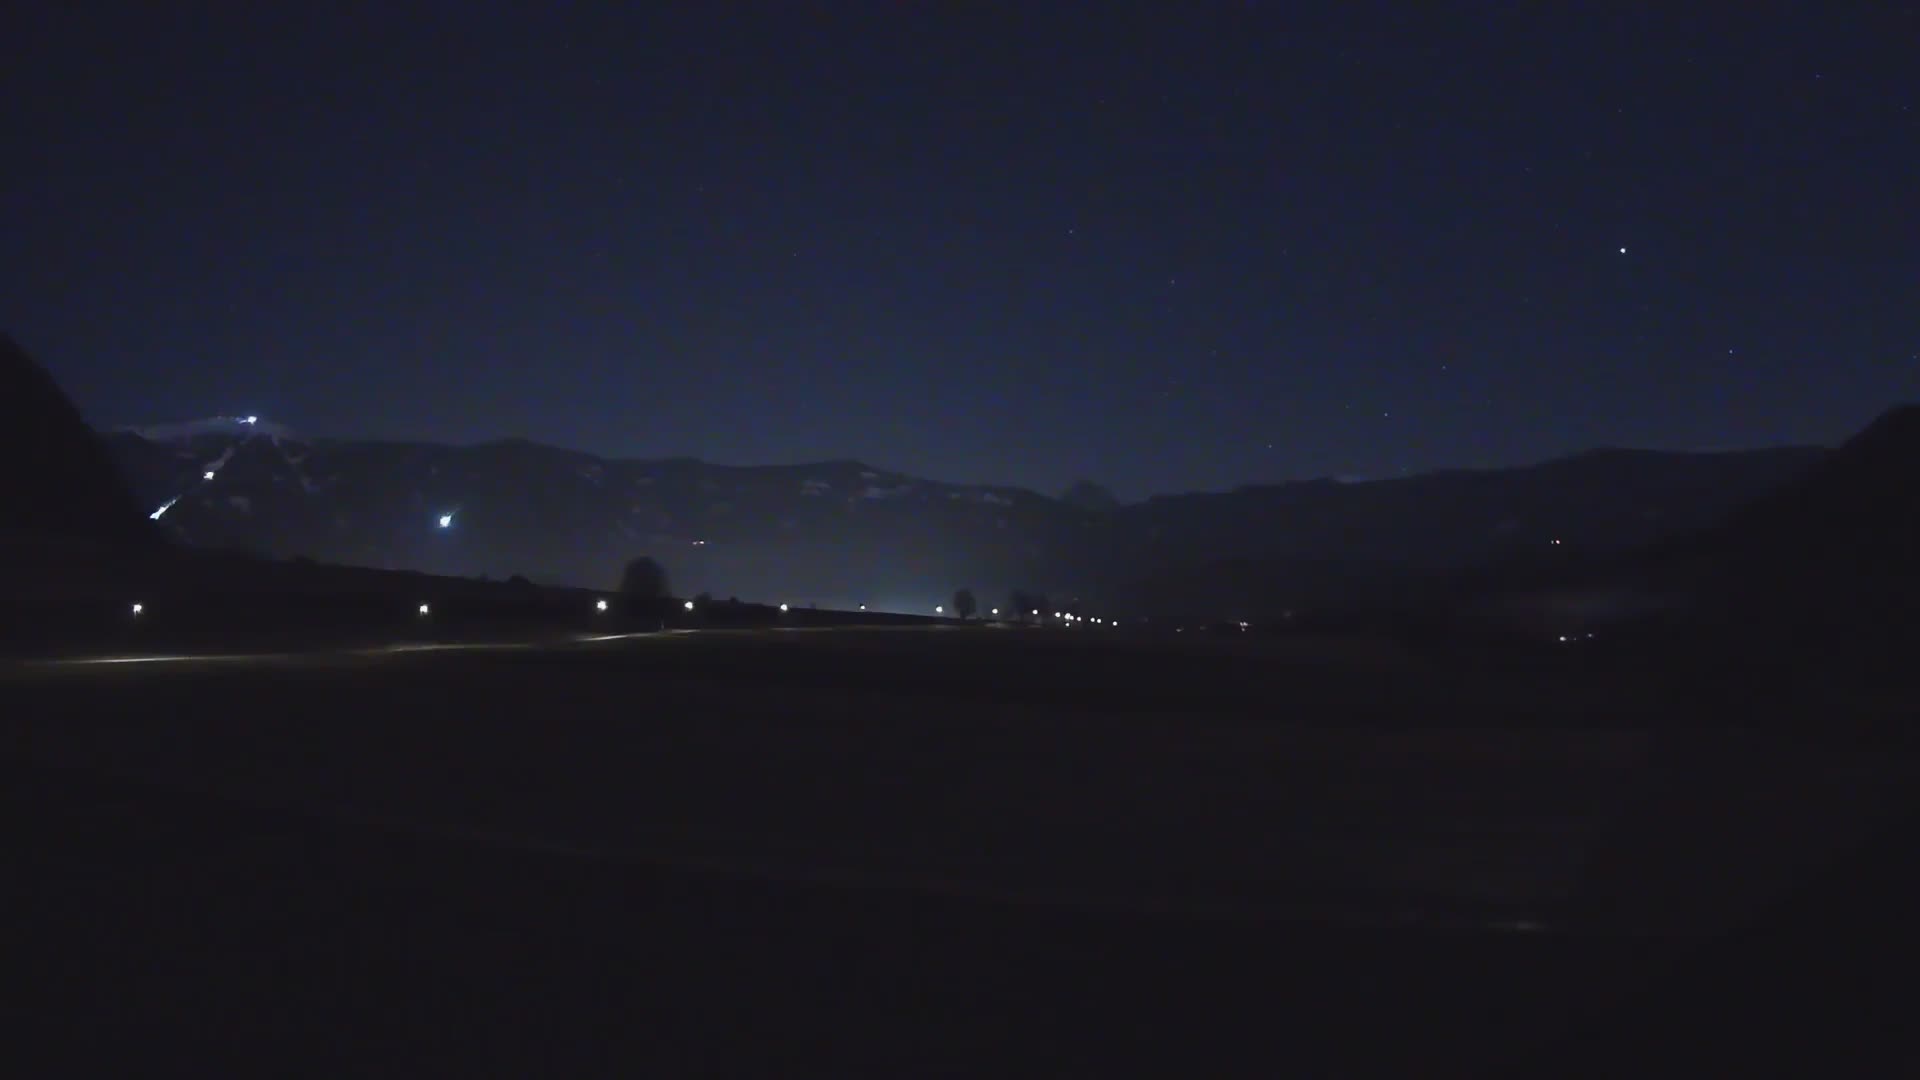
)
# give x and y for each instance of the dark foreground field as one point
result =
(923, 852)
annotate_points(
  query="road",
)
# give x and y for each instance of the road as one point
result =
(923, 839)
(1067, 770)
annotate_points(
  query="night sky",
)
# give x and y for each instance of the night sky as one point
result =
(1189, 246)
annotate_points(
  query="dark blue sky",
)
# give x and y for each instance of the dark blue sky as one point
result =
(1193, 245)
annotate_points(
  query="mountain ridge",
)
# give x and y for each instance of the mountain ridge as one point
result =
(213, 425)
(844, 531)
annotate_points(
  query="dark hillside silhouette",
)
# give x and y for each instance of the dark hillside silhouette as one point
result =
(61, 482)
(1833, 553)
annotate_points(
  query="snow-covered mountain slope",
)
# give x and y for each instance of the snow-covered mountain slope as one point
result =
(843, 532)
(225, 426)
(235, 453)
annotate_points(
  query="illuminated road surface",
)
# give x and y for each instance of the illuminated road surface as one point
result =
(50, 665)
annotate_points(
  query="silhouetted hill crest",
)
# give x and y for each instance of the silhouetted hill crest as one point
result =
(61, 481)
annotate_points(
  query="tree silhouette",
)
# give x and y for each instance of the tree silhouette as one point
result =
(964, 604)
(644, 579)
(1023, 605)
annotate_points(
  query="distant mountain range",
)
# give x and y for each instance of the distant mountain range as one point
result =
(843, 532)
(1791, 552)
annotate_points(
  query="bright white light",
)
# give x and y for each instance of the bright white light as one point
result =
(783, 607)
(689, 605)
(1563, 637)
(1623, 251)
(1556, 542)
(255, 419)
(863, 607)
(599, 605)
(996, 611)
(699, 543)
(1056, 614)
(208, 475)
(939, 609)
(446, 520)
(138, 608)
(1035, 613)
(425, 609)
(164, 507)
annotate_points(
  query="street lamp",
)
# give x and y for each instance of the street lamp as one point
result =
(599, 605)
(783, 607)
(425, 609)
(688, 605)
(138, 608)
(939, 609)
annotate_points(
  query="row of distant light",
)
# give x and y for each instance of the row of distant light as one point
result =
(1068, 616)
(427, 609)
(1065, 616)
(599, 605)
